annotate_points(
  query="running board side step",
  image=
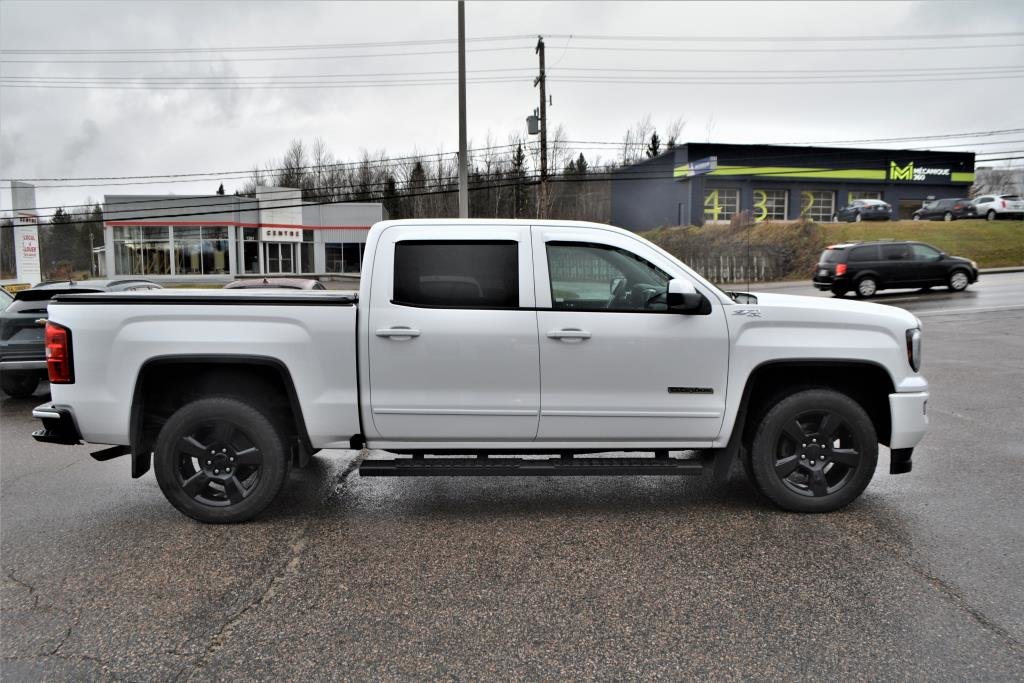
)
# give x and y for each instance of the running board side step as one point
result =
(518, 467)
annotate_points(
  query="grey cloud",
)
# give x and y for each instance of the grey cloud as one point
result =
(78, 146)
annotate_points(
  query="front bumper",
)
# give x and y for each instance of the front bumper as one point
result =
(58, 425)
(909, 413)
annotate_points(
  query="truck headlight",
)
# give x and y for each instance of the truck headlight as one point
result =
(914, 348)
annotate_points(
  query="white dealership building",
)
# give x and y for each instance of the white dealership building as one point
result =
(220, 237)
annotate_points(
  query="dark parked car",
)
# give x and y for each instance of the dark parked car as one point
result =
(946, 210)
(275, 283)
(22, 354)
(867, 267)
(864, 210)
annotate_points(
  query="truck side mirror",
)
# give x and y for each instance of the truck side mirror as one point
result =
(684, 298)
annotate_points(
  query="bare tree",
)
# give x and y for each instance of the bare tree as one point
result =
(635, 140)
(673, 131)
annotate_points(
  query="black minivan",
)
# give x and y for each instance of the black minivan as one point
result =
(867, 267)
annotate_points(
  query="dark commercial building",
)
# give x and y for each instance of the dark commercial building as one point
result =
(701, 182)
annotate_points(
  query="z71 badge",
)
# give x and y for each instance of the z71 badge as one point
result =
(749, 312)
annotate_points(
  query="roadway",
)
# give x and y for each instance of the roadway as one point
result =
(543, 578)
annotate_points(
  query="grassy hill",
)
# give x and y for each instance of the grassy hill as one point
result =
(789, 250)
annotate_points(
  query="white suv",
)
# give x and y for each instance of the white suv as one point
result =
(993, 206)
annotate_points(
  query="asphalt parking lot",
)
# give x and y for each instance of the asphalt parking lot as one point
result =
(543, 578)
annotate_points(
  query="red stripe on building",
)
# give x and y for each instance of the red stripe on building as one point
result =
(218, 224)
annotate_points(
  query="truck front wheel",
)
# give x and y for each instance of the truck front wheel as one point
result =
(220, 460)
(814, 451)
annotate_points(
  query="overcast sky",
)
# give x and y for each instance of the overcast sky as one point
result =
(48, 132)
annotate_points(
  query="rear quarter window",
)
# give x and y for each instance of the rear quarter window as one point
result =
(833, 256)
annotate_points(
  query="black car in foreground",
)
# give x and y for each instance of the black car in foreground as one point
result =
(864, 210)
(22, 353)
(946, 210)
(867, 267)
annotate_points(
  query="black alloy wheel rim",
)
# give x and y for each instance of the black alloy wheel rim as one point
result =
(218, 464)
(817, 453)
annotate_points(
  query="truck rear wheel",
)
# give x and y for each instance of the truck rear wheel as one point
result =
(220, 460)
(19, 384)
(815, 451)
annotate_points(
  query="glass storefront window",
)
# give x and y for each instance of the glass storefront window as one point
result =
(201, 250)
(333, 258)
(721, 204)
(817, 205)
(850, 196)
(770, 205)
(306, 263)
(142, 250)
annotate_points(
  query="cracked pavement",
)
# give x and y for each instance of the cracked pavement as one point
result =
(533, 578)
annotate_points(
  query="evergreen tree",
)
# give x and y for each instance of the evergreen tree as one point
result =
(654, 146)
(518, 174)
(581, 165)
(418, 177)
(220, 190)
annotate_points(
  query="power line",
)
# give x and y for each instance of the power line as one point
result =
(617, 174)
(39, 83)
(304, 167)
(291, 80)
(444, 72)
(200, 176)
(256, 86)
(260, 48)
(793, 50)
(253, 59)
(784, 81)
(946, 37)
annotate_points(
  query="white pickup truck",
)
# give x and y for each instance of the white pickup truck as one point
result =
(488, 347)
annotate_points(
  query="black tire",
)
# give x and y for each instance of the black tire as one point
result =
(246, 460)
(948, 216)
(958, 281)
(794, 470)
(867, 287)
(917, 217)
(19, 384)
(838, 292)
(990, 215)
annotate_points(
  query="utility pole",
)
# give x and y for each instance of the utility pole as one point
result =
(540, 80)
(463, 161)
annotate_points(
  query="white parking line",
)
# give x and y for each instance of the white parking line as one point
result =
(949, 311)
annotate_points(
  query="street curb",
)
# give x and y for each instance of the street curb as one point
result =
(1008, 269)
(754, 286)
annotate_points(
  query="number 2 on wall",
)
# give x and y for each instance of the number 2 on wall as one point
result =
(807, 200)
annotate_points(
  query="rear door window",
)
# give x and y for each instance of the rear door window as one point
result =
(896, 252)
(861, 254)
(457, 273)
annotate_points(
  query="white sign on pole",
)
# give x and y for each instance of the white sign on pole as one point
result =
(26, 233)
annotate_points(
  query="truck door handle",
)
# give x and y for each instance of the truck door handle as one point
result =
(398, 333)
(569, 335)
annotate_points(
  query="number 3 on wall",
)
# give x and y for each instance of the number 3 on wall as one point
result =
(761, 204)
